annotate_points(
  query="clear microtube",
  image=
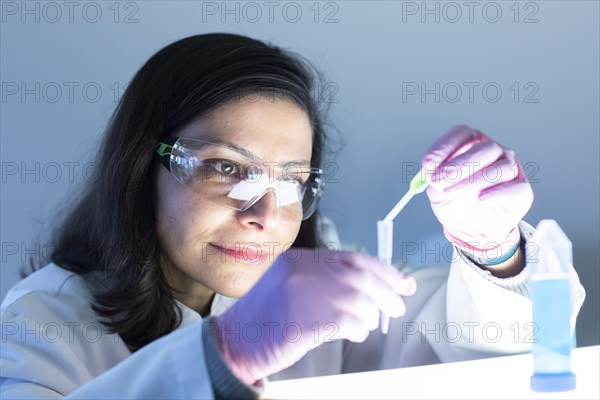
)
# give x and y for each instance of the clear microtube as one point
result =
(385, 233)
(385, 228)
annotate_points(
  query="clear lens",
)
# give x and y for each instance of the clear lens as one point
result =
(224, 176)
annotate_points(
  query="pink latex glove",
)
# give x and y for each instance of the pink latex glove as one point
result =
(297, 305)
(478, 191)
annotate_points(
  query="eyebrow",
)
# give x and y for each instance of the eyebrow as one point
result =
(249, 154)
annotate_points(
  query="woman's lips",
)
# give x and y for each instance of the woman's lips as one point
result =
(247, 253)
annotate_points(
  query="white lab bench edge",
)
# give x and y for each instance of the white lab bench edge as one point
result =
(504, 377)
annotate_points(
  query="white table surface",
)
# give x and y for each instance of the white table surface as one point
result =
(492, 378)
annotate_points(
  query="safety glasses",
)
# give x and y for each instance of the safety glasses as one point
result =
(230, 177)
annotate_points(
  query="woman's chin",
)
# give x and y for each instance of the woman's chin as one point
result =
(238, 285)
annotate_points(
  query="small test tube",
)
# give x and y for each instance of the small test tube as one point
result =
(385, 233)
(385, 230)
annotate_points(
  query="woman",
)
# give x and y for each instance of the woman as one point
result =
(209, 181)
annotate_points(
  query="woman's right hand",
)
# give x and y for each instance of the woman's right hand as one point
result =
(304, 300)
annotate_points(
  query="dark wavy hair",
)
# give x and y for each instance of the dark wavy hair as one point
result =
(111, 232)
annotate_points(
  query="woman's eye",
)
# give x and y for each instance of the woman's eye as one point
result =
(227, 168)
(294, 179)
(299, 176)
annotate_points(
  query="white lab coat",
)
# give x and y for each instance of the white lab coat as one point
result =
(53, 345)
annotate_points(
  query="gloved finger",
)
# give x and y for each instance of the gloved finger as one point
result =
(379, 292)
(358, 305)
(458, 139)
(386, 300)
(518, 187)
(352, 329)
(387, 274)
(514, 194)
(350, 310)
(460, 169)
(511, 156)
(498, 172)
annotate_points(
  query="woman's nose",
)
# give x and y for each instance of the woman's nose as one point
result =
(264, 214)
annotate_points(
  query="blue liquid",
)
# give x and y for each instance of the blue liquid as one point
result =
(552, 337)
(551, 317)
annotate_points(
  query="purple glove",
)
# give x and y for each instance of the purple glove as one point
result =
(478, 191)
(299, 304)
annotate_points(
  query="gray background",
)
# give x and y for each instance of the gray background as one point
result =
(372, 54)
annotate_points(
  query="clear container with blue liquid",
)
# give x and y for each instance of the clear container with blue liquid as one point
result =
(549, 256)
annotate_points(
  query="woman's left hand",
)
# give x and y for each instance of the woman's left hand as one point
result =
(477, 190)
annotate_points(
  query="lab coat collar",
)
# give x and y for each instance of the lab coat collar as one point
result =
(219, 305)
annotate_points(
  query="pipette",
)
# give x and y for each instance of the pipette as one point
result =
(385, 230)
